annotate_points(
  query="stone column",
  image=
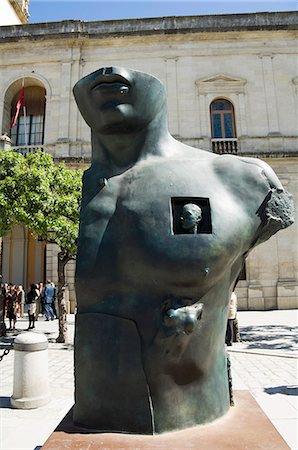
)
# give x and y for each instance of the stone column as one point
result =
(242, 115)
(52, 262)
(203, 116)
(70, 275)
(208, 100)
(287, 285)
(74, 116)
(255, 295)
(64, 99)
(62, 146)
(6, 258)
(204, 122)
(270, 94)
(5, 142)
(172, 90)
(51, 132)
(2, 114)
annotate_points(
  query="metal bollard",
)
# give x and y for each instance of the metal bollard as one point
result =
(30, 378)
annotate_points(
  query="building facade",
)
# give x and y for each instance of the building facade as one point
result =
(232, 87)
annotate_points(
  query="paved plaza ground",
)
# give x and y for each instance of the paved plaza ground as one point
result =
(265, 363)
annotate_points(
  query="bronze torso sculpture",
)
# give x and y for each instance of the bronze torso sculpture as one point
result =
(164, 232)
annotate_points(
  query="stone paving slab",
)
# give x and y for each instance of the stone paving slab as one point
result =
(266, 363)
(269, 372)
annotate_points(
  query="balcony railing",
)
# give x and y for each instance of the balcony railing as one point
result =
(224, 146)
(25, 149)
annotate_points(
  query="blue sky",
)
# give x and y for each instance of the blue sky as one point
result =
(56, 10)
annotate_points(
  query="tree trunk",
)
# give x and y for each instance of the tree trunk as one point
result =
(63, 259)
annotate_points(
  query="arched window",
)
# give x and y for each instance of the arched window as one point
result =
(29, 128)
(222, 119)
(223, 127)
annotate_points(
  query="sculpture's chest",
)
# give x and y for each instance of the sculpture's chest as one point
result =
(140, 220)
(151, 199)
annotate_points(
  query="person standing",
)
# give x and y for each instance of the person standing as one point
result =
(48, 298)
(41, 291)
(32, 298)
(236, 330)
(20, 300)
(229, 340)
(231, 318)
(12, 307)
(54, 300)
(39, 306)
(2, 307)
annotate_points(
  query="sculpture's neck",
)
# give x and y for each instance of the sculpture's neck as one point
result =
(122, 150)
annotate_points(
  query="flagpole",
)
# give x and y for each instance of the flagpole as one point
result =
(24, 113)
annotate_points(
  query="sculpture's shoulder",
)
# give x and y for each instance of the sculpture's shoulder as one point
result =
(256, 184)
(183, 151)
(244, 171)
(266, 171)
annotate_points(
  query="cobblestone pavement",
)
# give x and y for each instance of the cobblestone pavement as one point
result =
(265, 363)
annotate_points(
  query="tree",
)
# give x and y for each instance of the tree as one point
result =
(45, 197)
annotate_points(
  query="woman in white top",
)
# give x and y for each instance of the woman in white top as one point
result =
(231, 318)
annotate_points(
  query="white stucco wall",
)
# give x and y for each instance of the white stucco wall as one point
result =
(8, 16)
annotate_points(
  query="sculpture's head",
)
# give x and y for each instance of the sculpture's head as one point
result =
(114, 99)
(191, 216)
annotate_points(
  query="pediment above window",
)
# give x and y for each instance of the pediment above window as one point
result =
(221, 84)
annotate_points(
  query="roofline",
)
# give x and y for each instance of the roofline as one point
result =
(261, 21)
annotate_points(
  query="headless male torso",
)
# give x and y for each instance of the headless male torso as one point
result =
(153, 296)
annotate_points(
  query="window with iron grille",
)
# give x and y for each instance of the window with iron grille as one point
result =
(222, 119)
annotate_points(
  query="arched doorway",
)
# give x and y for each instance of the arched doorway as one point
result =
(28, 128)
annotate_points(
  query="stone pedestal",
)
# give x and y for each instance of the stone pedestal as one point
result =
(5, 142)
(244, 427)
(30, 378)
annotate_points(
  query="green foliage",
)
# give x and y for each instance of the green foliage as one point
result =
(42, 195)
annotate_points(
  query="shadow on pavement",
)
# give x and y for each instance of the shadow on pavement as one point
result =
(287, 390)
(5, 402)
(11, 335)
(6, 343)
(269, 337)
